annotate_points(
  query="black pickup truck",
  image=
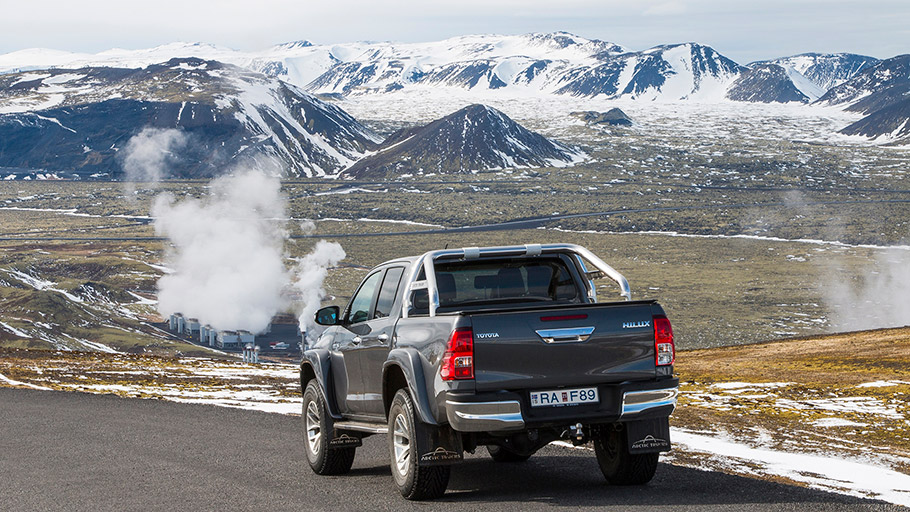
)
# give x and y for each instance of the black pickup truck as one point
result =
(502, 347)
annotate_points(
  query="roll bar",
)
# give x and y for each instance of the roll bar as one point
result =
(428, 259)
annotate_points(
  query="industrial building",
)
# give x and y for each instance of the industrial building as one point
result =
(282, 336)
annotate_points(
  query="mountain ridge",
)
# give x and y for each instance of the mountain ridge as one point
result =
(545, 63)
(471, 139)
(87, 116)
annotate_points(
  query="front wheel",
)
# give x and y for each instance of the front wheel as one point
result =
(414, 482)
(317, 431)
(619, 466)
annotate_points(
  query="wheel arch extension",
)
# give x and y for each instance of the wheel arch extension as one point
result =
(316, 366)
(404, 370)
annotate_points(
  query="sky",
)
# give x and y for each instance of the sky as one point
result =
(743, 30)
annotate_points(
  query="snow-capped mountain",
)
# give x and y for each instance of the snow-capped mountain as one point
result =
(469, 62)
(668, 72)
(889, 78)
(881, 92)
(767, 83)
(825, 70)
(77, 120)
(891, 123)
(483, 66)
(547, 63)
(544, 63)
(475, 138)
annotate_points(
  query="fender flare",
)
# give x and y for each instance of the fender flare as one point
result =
(318, 361)
(408, 361)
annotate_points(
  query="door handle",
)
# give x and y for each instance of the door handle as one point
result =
(383, 337)
(357, 340)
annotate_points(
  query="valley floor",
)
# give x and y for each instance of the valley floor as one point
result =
(827, 412)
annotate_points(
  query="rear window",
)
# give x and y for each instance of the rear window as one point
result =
(465, 283)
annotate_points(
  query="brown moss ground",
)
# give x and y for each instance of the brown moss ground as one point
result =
(812, 381)
(844, 359)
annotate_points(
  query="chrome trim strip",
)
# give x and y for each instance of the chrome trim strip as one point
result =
(485, 416)
(565, 335)
(504, 418)
(360, 427)
(636, 402)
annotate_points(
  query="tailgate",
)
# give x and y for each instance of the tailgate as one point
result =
(551, 347)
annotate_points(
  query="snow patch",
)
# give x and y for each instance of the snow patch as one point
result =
(825, 473)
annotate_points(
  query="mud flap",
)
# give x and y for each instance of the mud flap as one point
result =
(345, 439)
(649, 436)
(438, 445)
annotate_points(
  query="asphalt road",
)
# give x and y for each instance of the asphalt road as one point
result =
(73, 451)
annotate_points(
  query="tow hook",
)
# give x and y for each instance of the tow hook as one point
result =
(577, 434)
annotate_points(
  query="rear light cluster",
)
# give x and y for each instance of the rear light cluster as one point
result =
(664, 349)
(458, 361)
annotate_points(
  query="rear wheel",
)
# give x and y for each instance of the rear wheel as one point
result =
(619, 466)
(414, 482)
(503, 454)
(317, 430)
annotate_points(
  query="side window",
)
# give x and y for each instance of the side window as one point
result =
(420, 299)
(388, 292)
(359, 310)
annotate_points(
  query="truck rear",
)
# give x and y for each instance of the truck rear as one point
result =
(508, 348)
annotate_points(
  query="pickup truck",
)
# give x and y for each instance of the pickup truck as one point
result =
(502, 347)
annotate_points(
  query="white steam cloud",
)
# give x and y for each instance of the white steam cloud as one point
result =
(228, 252)
(859, 295)
(311, 273)
(147, 155)
(307, 227)
(880, 297)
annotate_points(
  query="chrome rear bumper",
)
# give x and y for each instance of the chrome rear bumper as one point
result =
(637, 402)
(505, 415)
(484, 416)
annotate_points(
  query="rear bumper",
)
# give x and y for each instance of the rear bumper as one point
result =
(511, 411)
(485, 416)
(639, 403)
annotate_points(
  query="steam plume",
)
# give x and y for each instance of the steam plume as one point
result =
(311, 273)
(228, 252)
(307, 227)
(881, 298)
(148, 154)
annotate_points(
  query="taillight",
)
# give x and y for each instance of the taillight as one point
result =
(458, 361)
(664, 349)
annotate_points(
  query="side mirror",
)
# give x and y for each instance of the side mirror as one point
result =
(328, 315)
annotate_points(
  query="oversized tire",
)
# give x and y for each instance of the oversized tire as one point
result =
(619, 466)
(317, 429)
(503, 454)
(414, 482)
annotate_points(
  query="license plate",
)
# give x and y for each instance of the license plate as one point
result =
(558, 397)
